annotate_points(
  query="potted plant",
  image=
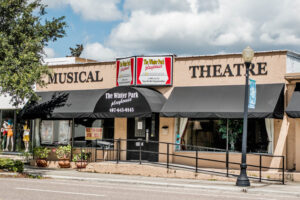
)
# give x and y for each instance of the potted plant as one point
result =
(81, 159)
(41, 154)
(235, 130)
(63, 153)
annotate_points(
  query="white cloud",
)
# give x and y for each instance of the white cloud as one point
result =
(97, 51)
(190, 26)
(101, 10)
(198, 26)
(49, 52)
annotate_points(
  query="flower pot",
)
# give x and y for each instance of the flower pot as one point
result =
(64, 163)
(81, 164)
(41, 162)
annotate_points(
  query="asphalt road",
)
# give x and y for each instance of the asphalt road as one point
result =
(55, 189)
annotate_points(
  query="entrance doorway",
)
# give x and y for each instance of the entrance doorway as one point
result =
(147, 130)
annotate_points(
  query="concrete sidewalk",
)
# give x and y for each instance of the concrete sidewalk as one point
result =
(289, 189)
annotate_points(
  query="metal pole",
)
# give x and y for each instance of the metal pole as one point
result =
(227, 163)
(167, 155)
(283, 170)
(103, 153)
(95, 158)
(243, 180)
(260, 163)
(118, 150)
(72, 134)
(227, 148)
(140, 152)
(196, 160)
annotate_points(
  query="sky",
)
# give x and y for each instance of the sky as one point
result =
(110, 29)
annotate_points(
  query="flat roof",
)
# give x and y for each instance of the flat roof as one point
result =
(92, 62)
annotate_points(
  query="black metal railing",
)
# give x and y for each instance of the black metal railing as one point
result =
(111, 150)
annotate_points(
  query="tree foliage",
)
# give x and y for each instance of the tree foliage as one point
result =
(24, 32)
(76, 52)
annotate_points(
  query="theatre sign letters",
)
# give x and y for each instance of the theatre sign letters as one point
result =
(229, 70)
(75, 77)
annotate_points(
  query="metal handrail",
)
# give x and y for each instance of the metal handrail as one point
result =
(117, 148)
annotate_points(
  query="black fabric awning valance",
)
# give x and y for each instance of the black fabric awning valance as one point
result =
(223, 102)
(63, 104)
(293, 108)
(126, 101)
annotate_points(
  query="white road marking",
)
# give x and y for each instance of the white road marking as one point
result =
(154, 188)
(61, 192)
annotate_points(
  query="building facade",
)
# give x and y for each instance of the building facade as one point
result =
(195, 103)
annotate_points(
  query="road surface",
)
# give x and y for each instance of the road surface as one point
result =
(57, 189)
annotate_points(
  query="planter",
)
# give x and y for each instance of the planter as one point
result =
(81, 164)
(64, 163)
(41, 162)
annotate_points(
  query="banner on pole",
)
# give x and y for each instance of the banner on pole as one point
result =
(252, 94)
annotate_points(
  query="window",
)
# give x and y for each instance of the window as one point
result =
(201, 135)
(217, 135)
(55, 132)
(140, 127)
(107, 126)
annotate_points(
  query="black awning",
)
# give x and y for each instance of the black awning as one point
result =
(126, 101)
(293, 109)
(63, 104)
(223, 102)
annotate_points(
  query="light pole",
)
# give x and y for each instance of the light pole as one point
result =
(242, 179)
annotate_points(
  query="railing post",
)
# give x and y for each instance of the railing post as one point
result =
(96, 151)
(103, 153)
(196, 160)
(282, 169)
(260, 163)
(227, 163)
(81, 157)
(118, 151)
(140, 153)
(168, 155)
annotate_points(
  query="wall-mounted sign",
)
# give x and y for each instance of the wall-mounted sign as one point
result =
(93, 133)
(154, 70)
(122, 102)
(208, 71)
(125, 71)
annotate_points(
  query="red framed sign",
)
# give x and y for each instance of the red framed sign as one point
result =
(125, 71)
(155, 70)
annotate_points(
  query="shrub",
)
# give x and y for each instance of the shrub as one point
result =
(63, 152)
(11, 165)
(83, 156)
(41, 152)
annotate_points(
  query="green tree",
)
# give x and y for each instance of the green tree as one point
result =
(24, 32)
(76, 52)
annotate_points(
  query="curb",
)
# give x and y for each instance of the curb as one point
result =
(251, 190)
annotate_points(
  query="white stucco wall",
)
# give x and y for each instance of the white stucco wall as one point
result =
(292, 63)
